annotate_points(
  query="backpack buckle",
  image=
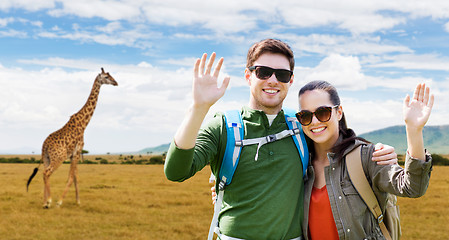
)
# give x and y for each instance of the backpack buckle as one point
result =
(271, 138)
(296, 131)
(221, 185)
(380, 219)
(238, 143)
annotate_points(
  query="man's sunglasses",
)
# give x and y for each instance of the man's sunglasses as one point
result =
(323, 114)
(262, 72)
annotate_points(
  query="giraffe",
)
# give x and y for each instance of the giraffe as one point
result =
(68, 142)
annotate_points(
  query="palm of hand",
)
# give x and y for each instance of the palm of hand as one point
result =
(417, 112)
(205, 88)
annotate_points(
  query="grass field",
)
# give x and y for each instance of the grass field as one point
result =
(137, 202)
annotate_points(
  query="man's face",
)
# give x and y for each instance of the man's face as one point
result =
(268, 95)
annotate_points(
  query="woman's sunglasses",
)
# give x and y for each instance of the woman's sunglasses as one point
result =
(262, 72)
(323, 114)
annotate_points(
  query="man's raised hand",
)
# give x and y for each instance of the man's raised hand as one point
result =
(205, 86)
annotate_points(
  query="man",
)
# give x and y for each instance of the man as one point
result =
(265, 199)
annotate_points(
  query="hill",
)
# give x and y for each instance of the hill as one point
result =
(156, 150)
(436, 138)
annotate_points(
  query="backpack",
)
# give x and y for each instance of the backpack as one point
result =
(234, 144)
(389, 220)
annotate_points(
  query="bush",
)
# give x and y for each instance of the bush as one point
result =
(439, 160)
(157, 160)
(89, 162)
(17, 160)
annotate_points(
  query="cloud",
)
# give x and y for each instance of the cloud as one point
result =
(342, 71)
(45, 98)
(13, 33)
(347, 73)
(112, 34)
(326, 44)
(5, 21)
(429, 61)
(108, 9)
(148, 100)
(355, 17)
(352, 44)
(232, 16)
(28, 5)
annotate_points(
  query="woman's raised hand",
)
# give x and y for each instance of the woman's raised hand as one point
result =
(416, 111)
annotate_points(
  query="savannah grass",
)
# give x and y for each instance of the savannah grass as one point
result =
(137, 202)
(117, 202)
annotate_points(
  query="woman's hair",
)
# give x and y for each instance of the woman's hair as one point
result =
(269, 46)
(347, 134)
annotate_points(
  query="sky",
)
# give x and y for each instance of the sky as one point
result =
(374, 52)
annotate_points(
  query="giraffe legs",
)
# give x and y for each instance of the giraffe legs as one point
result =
(47, 195)
(47, 173)
(73, 178)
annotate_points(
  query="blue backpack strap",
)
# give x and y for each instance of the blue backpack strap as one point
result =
(234, 131)
(234, 136)
(299, 138)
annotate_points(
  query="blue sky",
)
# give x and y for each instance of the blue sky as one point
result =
(51, 50)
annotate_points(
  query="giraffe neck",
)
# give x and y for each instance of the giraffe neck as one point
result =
(85, 113)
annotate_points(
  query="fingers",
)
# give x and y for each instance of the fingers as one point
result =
(430, 104)
(225, 83)
(196, 68)
(202, 63)
(218, 67)
(214, 194)
(388, 162)
(383, 152)
(407, 101)
(429, 98)
(381, 149)
(203, 69)
(210, 63)
(384, 157)
(421, 92)
(416, 93)
(426, 95)
(378, 146)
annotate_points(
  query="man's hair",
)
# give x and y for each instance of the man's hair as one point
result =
(270, 46)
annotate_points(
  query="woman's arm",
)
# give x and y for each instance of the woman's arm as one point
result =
(416, 113)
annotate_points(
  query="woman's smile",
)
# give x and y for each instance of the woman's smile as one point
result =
(317, 130)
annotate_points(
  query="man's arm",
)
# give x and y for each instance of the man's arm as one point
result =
(178, 164)
(205, 93)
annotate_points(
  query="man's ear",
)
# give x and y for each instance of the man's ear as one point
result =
(248, 76)
(291, 80)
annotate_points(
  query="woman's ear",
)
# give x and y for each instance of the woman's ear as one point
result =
(339, 112)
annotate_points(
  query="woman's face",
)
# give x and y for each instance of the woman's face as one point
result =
(321, 132)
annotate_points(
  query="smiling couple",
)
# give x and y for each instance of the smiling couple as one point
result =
(266, 199)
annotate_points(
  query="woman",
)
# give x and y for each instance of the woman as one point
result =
(333, 208)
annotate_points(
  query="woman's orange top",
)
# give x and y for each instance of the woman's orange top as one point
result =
(321, 220)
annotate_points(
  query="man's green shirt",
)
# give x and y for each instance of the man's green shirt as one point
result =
(265, 198)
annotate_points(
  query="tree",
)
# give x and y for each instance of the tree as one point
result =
(82, 154)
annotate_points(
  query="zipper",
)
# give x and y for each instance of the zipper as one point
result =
(335, 196)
